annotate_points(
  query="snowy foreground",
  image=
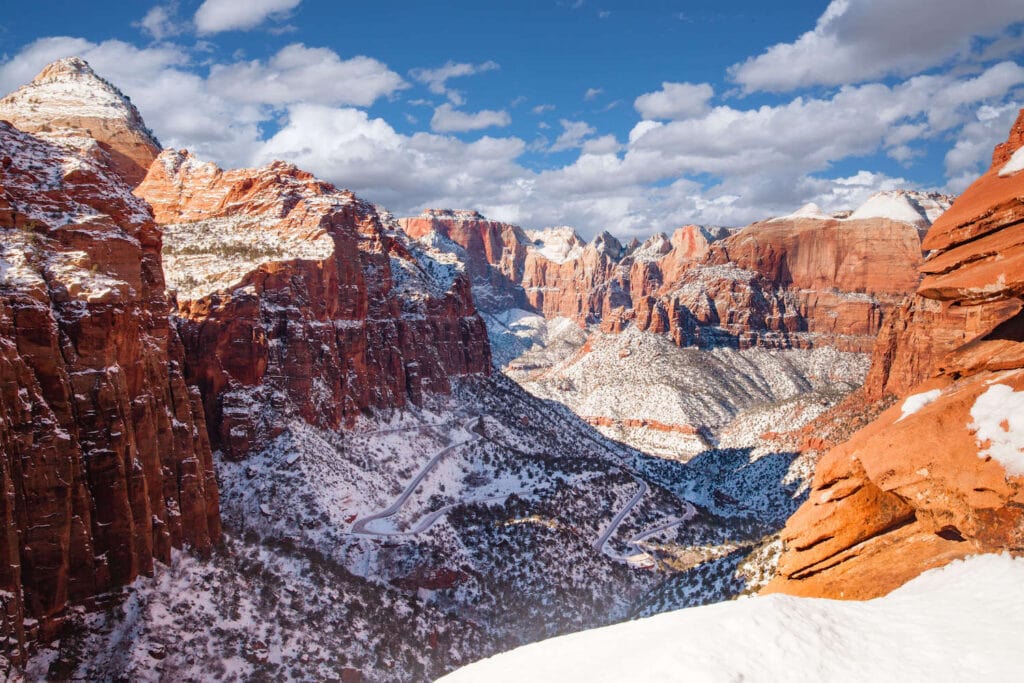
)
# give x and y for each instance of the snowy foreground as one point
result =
(962, 622)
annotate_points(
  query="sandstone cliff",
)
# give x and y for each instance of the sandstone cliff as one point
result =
(799, 281)
(68, 101)
(940, 475)
(105, 462)
(297, 300)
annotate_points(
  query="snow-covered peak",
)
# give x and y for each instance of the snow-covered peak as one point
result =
(606, 243)
(69, 89)
(653, 248)
(809, 211)
(916, 208)
(558, 244)
(453, 214)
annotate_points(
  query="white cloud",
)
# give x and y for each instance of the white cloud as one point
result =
(302, 74)
(543, 109)
(857, 40)
(762, 161)
(215, 16)
(592, 93)
(675, 101)
(160, 22)
(436, 80)
(573, 134)
(405, 172)
(446, 119)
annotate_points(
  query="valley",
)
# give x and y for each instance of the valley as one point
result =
(255, 426)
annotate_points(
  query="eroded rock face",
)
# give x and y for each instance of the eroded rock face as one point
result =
(105, 461)
(940, 475)
(794, 282)
(67, 101)
(301, 301)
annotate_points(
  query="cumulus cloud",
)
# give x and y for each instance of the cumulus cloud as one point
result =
(685, 161)
(573, 134)
(161, 22)
(405, 172)
(447, 119)
(857, 40)
(215, 16)
(303, 74)
(675, 101)
(592, 93)
(437, 79)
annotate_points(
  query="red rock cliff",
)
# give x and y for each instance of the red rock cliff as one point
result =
(298, 300)
(105, 463)
(940, 475)
(798, 281)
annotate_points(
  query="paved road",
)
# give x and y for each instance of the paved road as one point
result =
(359, 526)
(617, 520)
(647, 533)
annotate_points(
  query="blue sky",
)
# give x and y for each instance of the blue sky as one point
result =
(633, 117)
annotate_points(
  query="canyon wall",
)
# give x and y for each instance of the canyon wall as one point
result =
(297, 300)
(798, 281)
(940, 475)
(106, 464)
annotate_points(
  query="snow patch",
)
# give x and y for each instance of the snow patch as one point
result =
(896, 207)
(809, 210)
(1015, 164)
(915, 402)
(948, 624)
(559, 244)
(999, 422)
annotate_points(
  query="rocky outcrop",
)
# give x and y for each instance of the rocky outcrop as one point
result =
(67, 102)
(799, 281)
(940, 475)
(105, 464)
(299, 301)
(494, 253)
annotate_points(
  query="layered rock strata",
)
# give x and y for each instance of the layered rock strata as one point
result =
(298, 300)
(105, 460)
(940, 475)
(799, 281)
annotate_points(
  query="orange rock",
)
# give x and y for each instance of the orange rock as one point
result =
(105, 464)
(785, 283)
(919, 486)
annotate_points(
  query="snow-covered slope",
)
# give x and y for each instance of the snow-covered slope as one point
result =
(642, 389)
(559, 244)
(917, 208)
(959, 623)
(426, 538)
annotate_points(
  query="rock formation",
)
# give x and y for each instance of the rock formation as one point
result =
(793, 282)
(67, 99)
(105, 461)
(298, 300)
(940, 475)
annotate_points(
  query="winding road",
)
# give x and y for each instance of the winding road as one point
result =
(361, 526)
